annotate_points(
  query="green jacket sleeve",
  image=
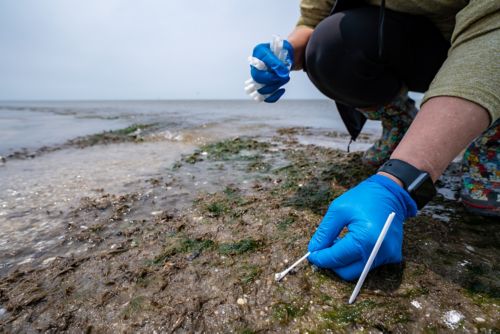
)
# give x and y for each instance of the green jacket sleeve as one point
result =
(314, 11)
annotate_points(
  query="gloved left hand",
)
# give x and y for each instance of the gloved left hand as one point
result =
(363, 210)
(277, 73)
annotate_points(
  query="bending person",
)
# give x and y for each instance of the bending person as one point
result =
(367, 56)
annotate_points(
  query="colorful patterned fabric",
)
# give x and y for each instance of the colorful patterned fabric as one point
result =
(481, 173)
(396, 118)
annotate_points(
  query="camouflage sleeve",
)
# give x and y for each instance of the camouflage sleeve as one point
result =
(472, 69)
(314, 11)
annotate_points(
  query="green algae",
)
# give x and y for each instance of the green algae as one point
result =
(286, 312)
(228, 150)
(228, 205)
(127, 134)
(176, 245)
(286, 223)
(239, 247)
(249, 273)
(343, 315)
(412, 293)
(217, 209)
(135, 305)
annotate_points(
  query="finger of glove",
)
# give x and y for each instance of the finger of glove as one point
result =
(350, 272)
(327, 231)
(269, 89)
(264, 77)
(264, 53)
(343, 253)
(275, 96)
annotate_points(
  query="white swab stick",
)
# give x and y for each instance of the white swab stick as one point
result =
(257, 63)
(279, 276)
(372, 257)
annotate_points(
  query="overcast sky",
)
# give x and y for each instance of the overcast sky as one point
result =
(137, 49)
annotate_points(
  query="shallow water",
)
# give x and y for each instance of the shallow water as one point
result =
(33, 124)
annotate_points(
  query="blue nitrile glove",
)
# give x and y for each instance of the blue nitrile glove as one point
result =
(363, 210)
(277, 74)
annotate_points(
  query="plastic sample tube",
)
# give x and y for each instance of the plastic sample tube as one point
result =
(372, 257)
(251, 87)
(279, 276)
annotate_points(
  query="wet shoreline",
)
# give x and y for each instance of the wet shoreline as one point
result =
(194, 247)
(153, 228)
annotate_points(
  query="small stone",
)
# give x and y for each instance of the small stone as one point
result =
(83, 227)
(156, 213)
(416, 304)
(204, 153)
(480, 320)
(49, 260)
(28, 260)
(452, 319)
(241, 301)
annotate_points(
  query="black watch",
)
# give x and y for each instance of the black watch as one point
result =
(418, 183)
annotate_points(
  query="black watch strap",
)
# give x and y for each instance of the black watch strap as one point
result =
(418, 183)
(405, 172)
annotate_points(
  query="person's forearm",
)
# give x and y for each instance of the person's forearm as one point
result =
(443, 127)
(299, 38)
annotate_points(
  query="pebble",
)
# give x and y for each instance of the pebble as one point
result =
(2, 312)
(416, 304)
(156, 213)
(241, 301)
(49, 260)
(480, 320)
(28, 260)
(452, 319)
(469, 248)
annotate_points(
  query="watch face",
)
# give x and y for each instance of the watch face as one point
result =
(424, 191)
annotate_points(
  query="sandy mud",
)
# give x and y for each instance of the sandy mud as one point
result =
(195, 249)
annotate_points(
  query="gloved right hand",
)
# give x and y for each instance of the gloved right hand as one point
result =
(277, 73)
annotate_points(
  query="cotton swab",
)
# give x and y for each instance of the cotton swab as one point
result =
(279, 276)
(372, 257)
